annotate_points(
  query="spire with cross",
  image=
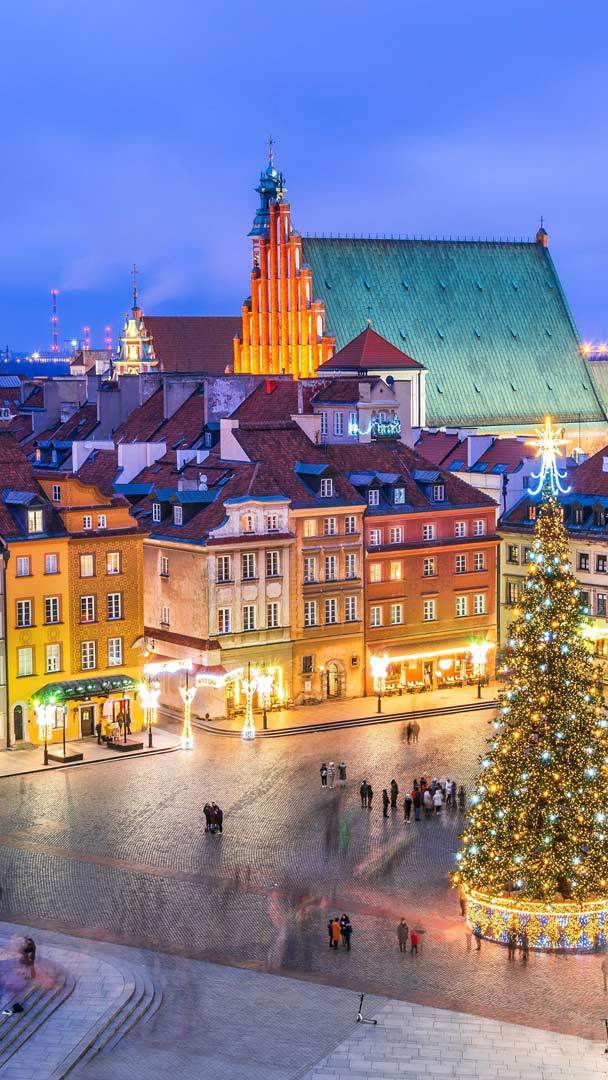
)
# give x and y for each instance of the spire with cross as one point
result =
(134, 273)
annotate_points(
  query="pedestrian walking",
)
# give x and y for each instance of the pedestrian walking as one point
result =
(453, 795)
(342, 774)
(385, 802)
(402, 935)
(346, 929)
(438, 800)
(363, 790)
(414, 942)
(524, 947)
(462, 799)
(330, 931)
(427, 801)
(415, 731)
(394, 794)
(407, 807)
(448, 792)
(28, 957)
(463, 903)
(207, 813)
(331, 774)
(370, 796)
(219, 817)
(98, 732)
(417, 801)
(477, 936)
(323, 771)
(408, 732)
(335, 932)
(511, 944)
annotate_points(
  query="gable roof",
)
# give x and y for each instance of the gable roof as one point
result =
(369, 351)
(487, 319)
(100, 468)
(193, 342)
(143, 421)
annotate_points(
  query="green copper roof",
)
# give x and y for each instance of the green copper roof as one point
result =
(488, 320)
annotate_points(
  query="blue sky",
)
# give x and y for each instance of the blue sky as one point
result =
(134, 131)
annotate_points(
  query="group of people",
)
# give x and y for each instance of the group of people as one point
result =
(367, 794)
(214, 817)
(329, 773)
(412, 731)
(403, 934)
(390, 800)
(339, 929)
(432, 796)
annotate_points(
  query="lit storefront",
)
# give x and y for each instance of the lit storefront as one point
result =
(73, 708)
(436, 669)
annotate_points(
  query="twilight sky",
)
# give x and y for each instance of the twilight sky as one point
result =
(135, 130)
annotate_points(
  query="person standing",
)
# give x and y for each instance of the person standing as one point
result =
(477, 936)
(463, 903)
(462, 799)
(417, 801)
(427, 800)
(511, 944)
(402, 935)
(453, 795)
(363, 791)
(370, 796)
(524, 947)
(331, 774)
(394, 794)
(385, 802)
(219, 817)
(438, 800)
(408, 732)
(323, 771)
(28, 957)
(335, 932)
(346, 929)
(407, 806)
(98, 732)
(342, 774)
(207, 813)
(415, 731)
(414, 942)
(330, 932)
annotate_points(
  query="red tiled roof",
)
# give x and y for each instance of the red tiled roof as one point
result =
(16, 472)
(590, 478)
(100, 469)
(193, 342)
(344, 390)
(186, 425)
(276, 399)
(143, 421)
(20, 426)
(436, 445)
(369, 351)
(509, 452)
(79, 425)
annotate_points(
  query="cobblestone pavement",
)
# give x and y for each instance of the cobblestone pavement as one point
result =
(120, 854)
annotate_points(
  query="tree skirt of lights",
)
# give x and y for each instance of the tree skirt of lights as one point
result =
(557, 925)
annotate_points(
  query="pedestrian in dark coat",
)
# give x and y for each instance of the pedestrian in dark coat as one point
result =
(385, 802)
(346, 929)
(363, 790)
(415, 731)
(394, 794)
(330, 931)
(408, 732)
(207, 813)
(402, 935)
(323, 771)
(219, 817)
(461, 798)
(342, 774)
(370, 796)
(28, 957)
(417, 801)
(407, 807)
(98, 732)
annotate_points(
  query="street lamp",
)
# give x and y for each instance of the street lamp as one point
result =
(264, 686)
(479, 658)
(188, 694)
(149, 693)
(378, 668)
(249, 685)
(44, 719)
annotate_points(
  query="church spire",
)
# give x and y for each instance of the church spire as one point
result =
(136, 308)
(271, 189)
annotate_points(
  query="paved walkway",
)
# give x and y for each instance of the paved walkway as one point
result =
(30, 759)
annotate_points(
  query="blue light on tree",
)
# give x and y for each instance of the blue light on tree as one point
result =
(547, 444)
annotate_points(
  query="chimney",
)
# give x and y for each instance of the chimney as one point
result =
(542, 237)
(300, 398)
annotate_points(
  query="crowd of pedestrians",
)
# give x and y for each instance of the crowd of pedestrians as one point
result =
(340, 929)
(214, 817)
(431, 796)
(329, 774)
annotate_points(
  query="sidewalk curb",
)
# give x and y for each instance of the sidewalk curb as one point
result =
(46, 769)
(361, 721)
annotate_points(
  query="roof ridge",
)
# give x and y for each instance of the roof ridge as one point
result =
(423, 239)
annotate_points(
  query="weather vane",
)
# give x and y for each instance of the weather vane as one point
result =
(547, 443)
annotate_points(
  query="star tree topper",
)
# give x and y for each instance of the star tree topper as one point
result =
(547, 443)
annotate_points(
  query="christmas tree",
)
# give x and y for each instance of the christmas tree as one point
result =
(538, 825)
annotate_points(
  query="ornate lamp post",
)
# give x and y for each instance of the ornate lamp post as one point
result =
(149, 693)
(249, 686)
(479, 658)
(44, 719)
(379, 667)
(188, 694)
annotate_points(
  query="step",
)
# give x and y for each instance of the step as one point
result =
(105, 1023)
(39, 1004)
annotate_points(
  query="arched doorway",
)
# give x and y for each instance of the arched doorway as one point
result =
(18, 722)
(332, 674)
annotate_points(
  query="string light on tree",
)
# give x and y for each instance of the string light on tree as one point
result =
(548, 442)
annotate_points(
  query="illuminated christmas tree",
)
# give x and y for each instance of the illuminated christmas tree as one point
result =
(537, 831)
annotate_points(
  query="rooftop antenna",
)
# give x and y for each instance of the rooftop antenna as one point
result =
(54, 322)
(86, 338)
(134, 273)
(270, 150)
(108, 338)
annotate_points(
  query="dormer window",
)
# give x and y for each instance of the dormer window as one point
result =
(56, 492)
(577, 515)
(327, 488)
(178, 515)
(338, 423)
(156, 512)
(373, 497)
(5, 414)
(531, 512)
(438, 492)
(35, 522)
(399, 495)
(323, 423)
(248, 523)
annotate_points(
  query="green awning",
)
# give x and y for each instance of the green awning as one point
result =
(83, 688)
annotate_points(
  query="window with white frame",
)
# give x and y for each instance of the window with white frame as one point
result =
(178, 515)
(395, 570)
(88, 655)
(273, 564)
(310, 527)
(479, 527)
(87, 609)
(513, 592)
(350, 608)
(272, 522)
(51, 609)
(353, 422)
(224, 568)
(399, 495)
(224, 620)
(248, 523)
(23, 566)
(428, 532)
(460, 528)
(429, 610)
(331, 610)
(25, 661)
(513, 553)
(373, 497)
(375, 616)
(429, 567)
(350, 524)
(52, 658)
(461, 564)
(375, 537)
(87, 566)
(479, 603)
(438, 492)
(114, 606)
(326, 490)
(102, 521)
(87, 522)
(330, 526)
(114, 651)
(113, 562)
(310, 569)
(248, 565)
(479, 560)
(462, 606)
(310, 613)
(56, 496)
(331, 567)
(272, 614)
(164, 615)
(396, 614)
(24, 613)
(375, 572)
(35, 522)
(583, 560)
(350, 563)
(156, 512)
(395, 534)
(600, 604)
(249, 617)
(323, 416)
(338, 423)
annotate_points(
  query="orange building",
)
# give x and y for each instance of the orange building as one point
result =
(283, 327)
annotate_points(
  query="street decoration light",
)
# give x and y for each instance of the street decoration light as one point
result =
(149, 693)
(249, 687)
(45, 719)
(479, 659)
(547, 443)
(188, 694)
(378, 667)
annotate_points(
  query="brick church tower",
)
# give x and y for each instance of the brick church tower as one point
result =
(283, 330)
